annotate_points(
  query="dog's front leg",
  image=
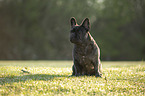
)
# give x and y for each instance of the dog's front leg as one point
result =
(74, 70)
(77, 68)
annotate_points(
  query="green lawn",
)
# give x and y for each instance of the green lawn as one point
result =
(52, 78)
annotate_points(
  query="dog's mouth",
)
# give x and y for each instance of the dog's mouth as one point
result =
(75, 41)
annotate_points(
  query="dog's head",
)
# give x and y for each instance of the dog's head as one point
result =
(79, 33)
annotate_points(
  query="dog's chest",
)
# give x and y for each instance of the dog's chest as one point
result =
(87, 62)
(84, 60)
(85, 55)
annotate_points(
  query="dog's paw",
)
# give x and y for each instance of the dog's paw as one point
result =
(98, 75)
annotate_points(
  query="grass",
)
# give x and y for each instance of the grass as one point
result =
(52, 78)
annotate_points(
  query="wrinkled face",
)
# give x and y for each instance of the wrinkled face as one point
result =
(79, 33)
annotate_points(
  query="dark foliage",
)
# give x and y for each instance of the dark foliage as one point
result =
(39, 29)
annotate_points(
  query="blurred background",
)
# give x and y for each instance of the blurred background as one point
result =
(39, 29)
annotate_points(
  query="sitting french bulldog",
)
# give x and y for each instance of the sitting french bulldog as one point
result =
(86, 53)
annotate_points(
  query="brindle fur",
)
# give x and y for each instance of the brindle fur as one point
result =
(86, 53)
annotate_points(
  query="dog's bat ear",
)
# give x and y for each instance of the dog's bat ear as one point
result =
(73, 22)
(86, 23)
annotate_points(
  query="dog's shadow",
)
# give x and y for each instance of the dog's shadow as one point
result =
(27, 77)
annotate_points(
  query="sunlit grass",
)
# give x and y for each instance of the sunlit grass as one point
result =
(54, 78)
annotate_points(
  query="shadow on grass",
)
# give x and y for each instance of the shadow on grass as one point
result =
(26, 77)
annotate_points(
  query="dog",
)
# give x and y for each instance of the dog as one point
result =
(86, 53)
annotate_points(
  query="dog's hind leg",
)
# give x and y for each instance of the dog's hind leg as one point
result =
(97, 69)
